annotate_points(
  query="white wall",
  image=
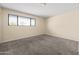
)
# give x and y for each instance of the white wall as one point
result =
(17, 32)
(0, 24)
(65, 26)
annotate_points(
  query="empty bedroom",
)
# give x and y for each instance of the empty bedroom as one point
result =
(39, 28)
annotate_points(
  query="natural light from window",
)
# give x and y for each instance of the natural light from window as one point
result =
(32, 22)
(12, 20)
(24, 21)
(21, 20)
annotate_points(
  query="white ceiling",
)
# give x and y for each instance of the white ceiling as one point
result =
(51, 9)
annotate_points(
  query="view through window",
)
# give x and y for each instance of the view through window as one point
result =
(21, 20)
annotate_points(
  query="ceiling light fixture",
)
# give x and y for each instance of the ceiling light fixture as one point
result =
(43, 4)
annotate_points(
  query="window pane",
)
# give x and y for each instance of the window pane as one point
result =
(12, 20)
(32, 22)
(23, 21)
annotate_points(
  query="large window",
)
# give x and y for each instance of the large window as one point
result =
(24, 21)
(12, 20)
(21, 20)
(33, 22)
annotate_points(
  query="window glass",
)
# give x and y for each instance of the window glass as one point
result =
(32, 22)
(23, 21)
(12, 20)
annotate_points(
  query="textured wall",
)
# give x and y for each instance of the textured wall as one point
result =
(65, 25)
(0, 25)
(16, 32)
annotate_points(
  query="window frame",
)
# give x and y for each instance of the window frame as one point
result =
(30, 22)
(24, 17)
(18, 21)
(8, 20)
